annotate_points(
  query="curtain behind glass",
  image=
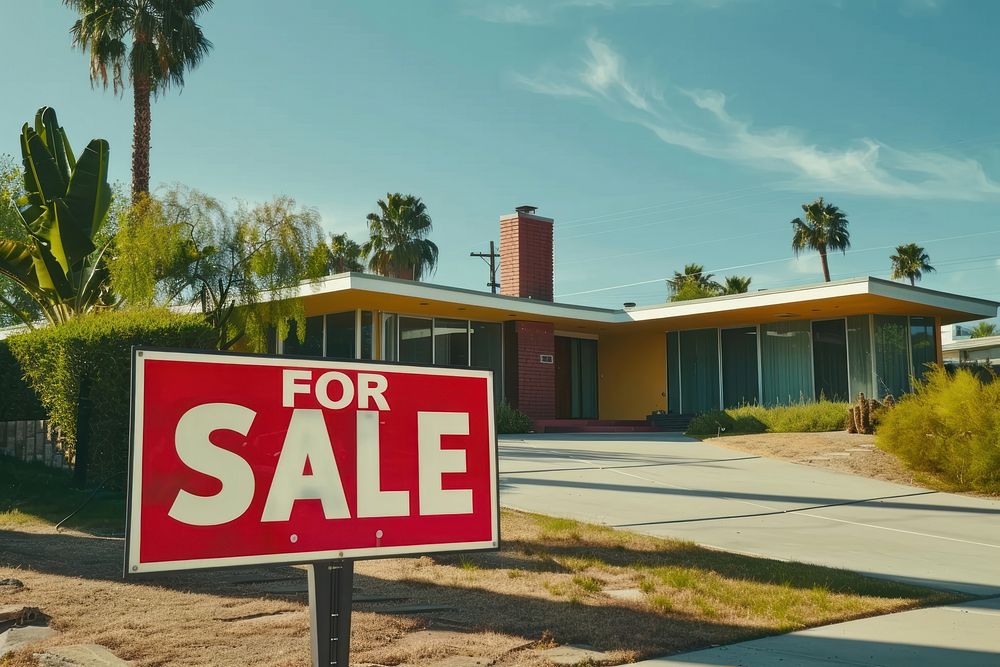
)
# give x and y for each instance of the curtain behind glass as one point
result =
(892, 361)
(367, 335)
(786, 363)
(487, 352)
(739, 366)
(673, 374)
(829, 346)
(583, 353)
(922, 345)
(389, 349)
(859, 362)
(340, 335)
(699, 355)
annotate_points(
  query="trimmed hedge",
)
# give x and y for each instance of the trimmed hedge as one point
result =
(19, 402)
(948, 427)
(81, 372)
(797, 418)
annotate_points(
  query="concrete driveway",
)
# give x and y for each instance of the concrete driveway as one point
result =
(671, 486)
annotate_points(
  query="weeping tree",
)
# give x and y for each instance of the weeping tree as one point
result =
(823, 229)
(57, 256)
(240, 266)
(398, 245)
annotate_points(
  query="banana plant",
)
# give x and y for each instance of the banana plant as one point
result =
(64, 205)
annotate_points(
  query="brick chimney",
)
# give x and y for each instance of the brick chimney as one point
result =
(526, 254)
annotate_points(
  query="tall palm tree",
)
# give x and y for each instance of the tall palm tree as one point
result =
(736, 285)
(693, 274)
(398, 245)
(344, 255)
(155, 40)
(910, 261)
(824, 229)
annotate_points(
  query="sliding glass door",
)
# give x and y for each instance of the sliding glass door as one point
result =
(829, 347)
(699, 357)
(739, 367)
(786, 362)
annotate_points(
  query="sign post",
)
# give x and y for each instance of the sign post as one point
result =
(240, 460)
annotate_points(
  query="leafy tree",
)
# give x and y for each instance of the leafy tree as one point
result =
(736, 285)
(157, 41)
(910, 261)
(824, 229)
(57, 257)
(692, 283)
(983, 330)
(241, 267)
(398, 245)
(16, 305)
(345, 255)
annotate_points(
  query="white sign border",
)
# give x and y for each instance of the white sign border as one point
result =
(133, 526)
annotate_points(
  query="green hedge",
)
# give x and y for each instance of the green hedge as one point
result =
(948, 427)
(19, 401)
(81, 371)
(797, 418)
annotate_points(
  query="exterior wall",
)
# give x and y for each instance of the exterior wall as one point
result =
(632, 380)
(530, 384)
(526, 256)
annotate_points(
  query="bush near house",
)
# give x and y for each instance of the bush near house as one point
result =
(512, 420)
(19, 402)
(81, 372)
(949, 427)
(798, 418)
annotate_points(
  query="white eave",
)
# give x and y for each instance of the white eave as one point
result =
(982, 343)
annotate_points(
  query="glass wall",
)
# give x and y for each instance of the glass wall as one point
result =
(739, 367)
(829, 348)
(340, 335)
(673, 373)
(923, 344)
(699, 352)
(487, 352)
(451, 342)
(786, 363)
(892, 359)
(415, 344)
(390, 326)
(312, 346)
(367, 335)
(859, 356)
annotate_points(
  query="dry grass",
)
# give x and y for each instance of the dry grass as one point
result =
(548, 585)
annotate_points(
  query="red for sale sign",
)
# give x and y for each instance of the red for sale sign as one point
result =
(244, 459)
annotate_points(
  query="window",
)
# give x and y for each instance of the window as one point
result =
(739, 366)
(390, 325)
(923, 345)
(367, 335)
(340, 335)
(892, 359)
(487, 352)
(415, 344)
(451, 342)
(699, 366)
(786, 363)
(859, 360)
(312, 346)
(829, 347)
(673, 373)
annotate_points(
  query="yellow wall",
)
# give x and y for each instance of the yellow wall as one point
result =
(632, 374)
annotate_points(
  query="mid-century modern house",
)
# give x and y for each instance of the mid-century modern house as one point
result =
(562, 361)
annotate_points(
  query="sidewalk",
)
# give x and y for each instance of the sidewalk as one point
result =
(960, 635)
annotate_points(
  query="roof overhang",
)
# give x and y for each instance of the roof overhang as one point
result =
(858, 296)
(985, 342)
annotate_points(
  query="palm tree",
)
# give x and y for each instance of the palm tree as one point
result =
(156, 40)
(344, 255)
(693, 283)
(983, 330)
(824, 229)
(910, 261)
(398, 245)
(736, 285)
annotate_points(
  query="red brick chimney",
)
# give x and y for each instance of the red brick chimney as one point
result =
(526, 254)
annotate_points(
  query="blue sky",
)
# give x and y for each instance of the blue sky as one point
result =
(655, 133)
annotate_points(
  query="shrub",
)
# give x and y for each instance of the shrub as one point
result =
(948, 427)
(81, 371)
(19, 401)
(796, 418)
(512, 420)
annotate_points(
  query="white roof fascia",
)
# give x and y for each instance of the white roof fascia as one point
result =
(933, 298)
(973, 343)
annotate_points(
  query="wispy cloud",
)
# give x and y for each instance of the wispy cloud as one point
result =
(700, 121)
(541, 12)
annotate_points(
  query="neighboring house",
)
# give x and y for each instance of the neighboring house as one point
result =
(554, 360)
(981, 351)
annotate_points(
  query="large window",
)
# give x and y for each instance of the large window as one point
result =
(786, 363)
(699, 356)
(415, 345)
(673, 373)
(829, 346)
(487, 352)
(859, 355)
(312, 346)
(892, 359)
(451, 342)
(340, 335)
(367, 335)
(390, 341)
(923, 345)
(739, 366)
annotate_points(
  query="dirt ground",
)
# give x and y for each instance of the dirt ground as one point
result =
(550, 585)
(836, 450)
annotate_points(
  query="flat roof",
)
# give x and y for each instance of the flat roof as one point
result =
(817, 301)
(981, 343)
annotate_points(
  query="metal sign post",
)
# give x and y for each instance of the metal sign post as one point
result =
(331, 588)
